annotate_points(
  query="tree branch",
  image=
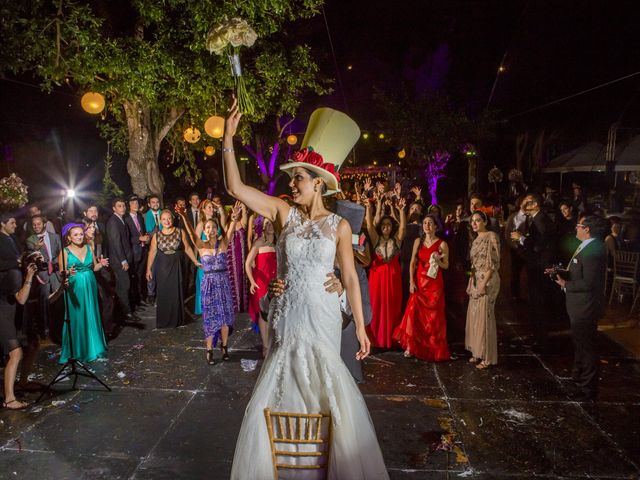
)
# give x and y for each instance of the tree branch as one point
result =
(174, 115)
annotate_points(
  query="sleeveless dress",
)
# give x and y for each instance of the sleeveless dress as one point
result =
(197, 308)
(385, 290)
(263, 273)
(424, 327)
(236, 255)
(169, 300)
(83, 311)
(216, 296)
(481, 337)
(303, 371)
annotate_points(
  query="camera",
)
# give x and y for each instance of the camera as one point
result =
(556, 271)
(35, 258)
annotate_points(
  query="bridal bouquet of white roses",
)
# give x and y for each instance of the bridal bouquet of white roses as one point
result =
(13, 193)
(228, 37)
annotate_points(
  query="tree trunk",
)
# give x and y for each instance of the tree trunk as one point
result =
(144, 147)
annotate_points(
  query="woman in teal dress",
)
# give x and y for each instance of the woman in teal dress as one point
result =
(81, 300)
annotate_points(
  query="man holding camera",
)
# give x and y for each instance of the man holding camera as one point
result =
(47, 280)
(583, 283)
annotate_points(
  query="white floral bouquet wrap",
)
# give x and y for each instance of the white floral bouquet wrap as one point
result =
(228, 37)
(13, 192)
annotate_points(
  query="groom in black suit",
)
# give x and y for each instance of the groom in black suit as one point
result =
(120, 256)
(583, 282)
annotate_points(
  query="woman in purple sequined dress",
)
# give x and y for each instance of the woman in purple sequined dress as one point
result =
(216, 296)
(237, 254)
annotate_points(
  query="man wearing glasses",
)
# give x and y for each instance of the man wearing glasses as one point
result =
(583, 283)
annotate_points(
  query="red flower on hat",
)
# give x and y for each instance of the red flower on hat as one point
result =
(307, 155)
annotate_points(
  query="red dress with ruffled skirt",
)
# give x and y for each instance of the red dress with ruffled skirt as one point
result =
(423, 330)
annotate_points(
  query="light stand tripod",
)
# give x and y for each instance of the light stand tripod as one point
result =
(72, 367)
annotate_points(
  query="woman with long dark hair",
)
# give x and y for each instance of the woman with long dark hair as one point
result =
(303, 371)
(423, 331)
(481, 338)
(216, 295)
(385, 277)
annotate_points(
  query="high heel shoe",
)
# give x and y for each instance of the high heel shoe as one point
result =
(225, 352)
(210, 357)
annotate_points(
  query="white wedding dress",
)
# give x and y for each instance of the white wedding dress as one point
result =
(303, 371)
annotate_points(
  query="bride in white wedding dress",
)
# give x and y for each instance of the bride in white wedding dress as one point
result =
(303, 371)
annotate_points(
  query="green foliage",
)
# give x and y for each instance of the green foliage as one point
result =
(110, 188)
(152, 54)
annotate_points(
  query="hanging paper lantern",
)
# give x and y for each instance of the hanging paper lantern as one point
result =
(214, 126)
(365, 135)
(292, 139)
(381, 136)
(209, 150)
(402, 153)
(192, 135)
(92, 102)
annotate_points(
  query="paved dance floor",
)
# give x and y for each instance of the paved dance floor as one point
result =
(172, 416)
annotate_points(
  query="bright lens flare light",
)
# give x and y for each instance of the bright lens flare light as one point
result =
(70, 193)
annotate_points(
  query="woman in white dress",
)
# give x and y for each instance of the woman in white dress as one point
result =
(303, 371)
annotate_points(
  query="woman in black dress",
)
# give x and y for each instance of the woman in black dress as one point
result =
(168, 247)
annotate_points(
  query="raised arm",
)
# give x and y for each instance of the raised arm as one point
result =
(187, 225)
(403, 220)
(269, 207)
(371, 229)
(379, 210)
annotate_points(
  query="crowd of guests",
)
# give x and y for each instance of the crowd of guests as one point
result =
(413, 261)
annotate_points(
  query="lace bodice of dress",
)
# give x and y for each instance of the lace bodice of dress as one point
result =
(306, 251)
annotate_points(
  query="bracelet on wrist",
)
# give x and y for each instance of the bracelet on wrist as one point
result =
(225, 150)
(28, 282)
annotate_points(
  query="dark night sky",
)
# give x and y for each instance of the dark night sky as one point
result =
(555, 48)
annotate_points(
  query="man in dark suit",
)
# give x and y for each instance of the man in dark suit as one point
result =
(138, 239)
(47, 281)
(537, 249)
(192, 211)
(120, 255)
(100, 233)
(10, 249)
(583, 284)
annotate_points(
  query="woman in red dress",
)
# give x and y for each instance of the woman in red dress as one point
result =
(423, 331)
(385, 278)
(261, 267)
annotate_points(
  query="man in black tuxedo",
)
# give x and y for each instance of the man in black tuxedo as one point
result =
(138, 239)
(537, 249)
(583, 284)
(120, 255)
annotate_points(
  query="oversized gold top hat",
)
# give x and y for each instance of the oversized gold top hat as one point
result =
(329, 138)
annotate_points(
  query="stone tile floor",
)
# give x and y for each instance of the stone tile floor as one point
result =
(172, 416)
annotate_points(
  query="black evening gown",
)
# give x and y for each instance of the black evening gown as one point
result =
(169, 292)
